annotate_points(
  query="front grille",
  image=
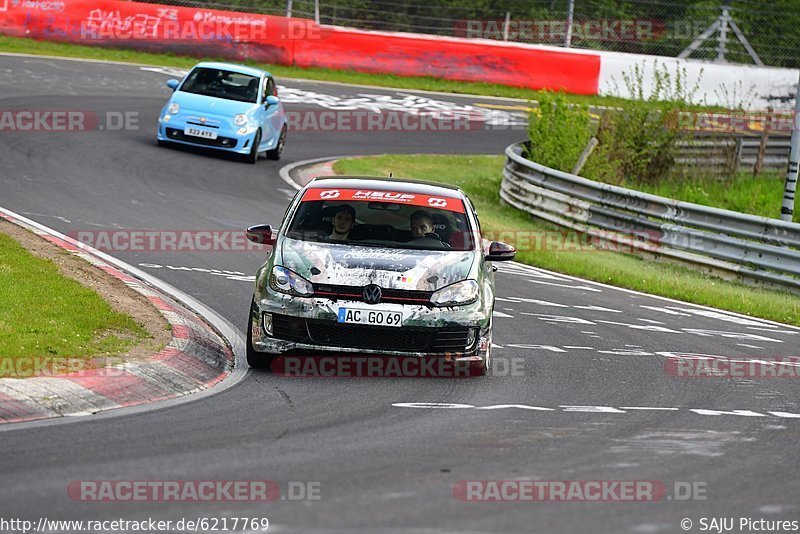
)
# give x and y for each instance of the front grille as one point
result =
(210, 123)
(334, 334)
(222, 142)
(203, 124)
(450, 340)
(289, 328)
(397, 296)
(369, 337)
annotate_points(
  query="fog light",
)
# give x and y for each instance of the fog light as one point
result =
(472, 335)
(242, 131)
(167, 118)
(266, 323)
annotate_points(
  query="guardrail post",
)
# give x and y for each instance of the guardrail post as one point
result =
(787, 207)
(568, 33)
(735, 157)
(762, 147)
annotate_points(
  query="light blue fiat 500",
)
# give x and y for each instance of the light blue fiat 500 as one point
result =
(226, 107)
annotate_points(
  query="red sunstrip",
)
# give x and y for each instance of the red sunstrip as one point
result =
(394, 197)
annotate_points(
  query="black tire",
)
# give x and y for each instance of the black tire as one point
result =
(252, 157)
(255, 359)
(159, 142)
(275, 153)
(486, 363)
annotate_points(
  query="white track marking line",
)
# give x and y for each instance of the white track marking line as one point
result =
(647, 327)
(774, 330)
(648, 408)
(535, 347)
(559, 318)
(731, 335)
(597, 308)
(539, 302)
(585, 288)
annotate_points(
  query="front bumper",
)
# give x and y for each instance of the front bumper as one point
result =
(310, 325)
(228, 139)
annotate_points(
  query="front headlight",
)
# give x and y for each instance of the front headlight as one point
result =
(285, 281)
(458, 294)
(240, 119)
(174, 108)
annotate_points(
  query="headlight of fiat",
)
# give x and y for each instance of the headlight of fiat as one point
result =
(285, 281)
(458, 294)
(240, 119)
(174, 108)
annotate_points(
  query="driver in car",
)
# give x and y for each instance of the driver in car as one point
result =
(421, 224)
(343, 221)
(422, 227)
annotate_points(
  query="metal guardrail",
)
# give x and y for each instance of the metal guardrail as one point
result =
(732, 153)
(754, 247)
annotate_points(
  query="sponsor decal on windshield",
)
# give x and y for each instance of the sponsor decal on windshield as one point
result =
(394, 197)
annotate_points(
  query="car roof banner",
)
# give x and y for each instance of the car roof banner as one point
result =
(394, 197)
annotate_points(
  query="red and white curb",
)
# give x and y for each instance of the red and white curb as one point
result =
(196, 358)
(298, 174)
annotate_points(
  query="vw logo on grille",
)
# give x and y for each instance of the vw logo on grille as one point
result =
(203, 120)
(372, 294)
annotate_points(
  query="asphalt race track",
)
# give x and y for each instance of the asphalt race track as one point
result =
(589, 400)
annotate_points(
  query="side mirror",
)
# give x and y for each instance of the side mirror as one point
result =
(499, 251)
(271, 100)
(261, 234)
(173, 84)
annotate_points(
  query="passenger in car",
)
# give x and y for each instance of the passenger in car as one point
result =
(344, 220)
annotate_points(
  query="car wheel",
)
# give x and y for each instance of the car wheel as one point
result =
(486, 355)
(255, 359)
(159, 142)
(252, 157)
(275, 153)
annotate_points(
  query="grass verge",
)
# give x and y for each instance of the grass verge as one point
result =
(23, 45)
(48, 316)
(480, 176)
(743, 193)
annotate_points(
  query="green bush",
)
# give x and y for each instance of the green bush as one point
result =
(640, 143)
(558, 132)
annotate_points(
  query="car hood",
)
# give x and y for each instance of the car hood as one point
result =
(210, 104)
(421, 270)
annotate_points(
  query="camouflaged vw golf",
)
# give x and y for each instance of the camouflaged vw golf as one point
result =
(377, 266)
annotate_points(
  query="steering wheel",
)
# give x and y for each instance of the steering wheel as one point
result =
(434, 235)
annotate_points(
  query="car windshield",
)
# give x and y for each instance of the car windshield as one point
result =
(222, 84)
(382, 219)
